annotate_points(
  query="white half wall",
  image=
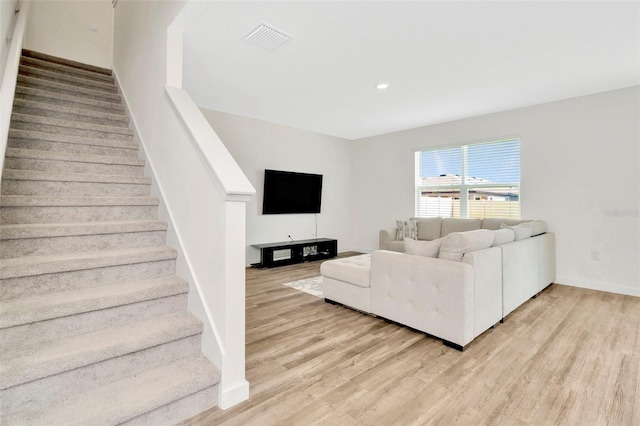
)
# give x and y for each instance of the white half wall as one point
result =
(7, 22)
(258, 145)
(61, 28)
(580, 162)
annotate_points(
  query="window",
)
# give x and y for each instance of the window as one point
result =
(469, 181)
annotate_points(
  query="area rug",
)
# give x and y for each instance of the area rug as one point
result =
(312, 286)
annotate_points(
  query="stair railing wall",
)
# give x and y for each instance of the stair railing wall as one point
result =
(202, 189)
(222, 298)
(10, 76)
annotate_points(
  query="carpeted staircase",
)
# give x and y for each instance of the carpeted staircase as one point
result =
(94, 327)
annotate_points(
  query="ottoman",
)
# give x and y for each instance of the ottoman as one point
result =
(346, 281)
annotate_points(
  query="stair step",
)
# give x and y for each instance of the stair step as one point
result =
(67, 62)
(67, 100)
(44, 239)
(65, 69)
(52, 264)
(40, 393)
(62, 355)
(13, 288)
(30, 321)
(41, 308)
(51, 121)
(36, 275)
(36, 175)
(32, 335)
(79, 140)
(18, 209)
(31, 159)
(76, 80)
(25, 201)
(52, 86)
(40, 183)
(41, 230)
(46, 109)
(72, 128)
(136, 396)
(55, 142)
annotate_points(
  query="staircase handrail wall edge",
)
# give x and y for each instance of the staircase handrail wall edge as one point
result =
(10, 78)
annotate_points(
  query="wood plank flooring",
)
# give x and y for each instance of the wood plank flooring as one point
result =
(568, 357)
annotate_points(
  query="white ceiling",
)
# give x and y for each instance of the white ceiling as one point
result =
(444, 60)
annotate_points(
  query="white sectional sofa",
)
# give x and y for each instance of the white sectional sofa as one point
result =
(458, 280)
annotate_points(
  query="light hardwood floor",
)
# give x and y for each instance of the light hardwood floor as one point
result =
(568, 357)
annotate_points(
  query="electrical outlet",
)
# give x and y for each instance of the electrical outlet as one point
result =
(595, 255)
(93, 28)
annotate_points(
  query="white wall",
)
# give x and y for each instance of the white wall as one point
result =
(258, 145)
(579, 162)
(61, 28)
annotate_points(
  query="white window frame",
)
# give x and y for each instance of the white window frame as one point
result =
(464, 187)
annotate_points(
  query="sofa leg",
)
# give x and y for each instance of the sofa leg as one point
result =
(453, 345)
(501, 320)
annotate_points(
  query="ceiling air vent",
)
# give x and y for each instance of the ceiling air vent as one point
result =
(267, 36)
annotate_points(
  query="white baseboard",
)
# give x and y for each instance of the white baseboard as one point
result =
(236, 394)
(601, 286)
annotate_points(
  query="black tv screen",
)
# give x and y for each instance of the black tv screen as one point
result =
(291, 192)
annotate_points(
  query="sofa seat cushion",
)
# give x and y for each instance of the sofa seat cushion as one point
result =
(354, 270)
(455, 245)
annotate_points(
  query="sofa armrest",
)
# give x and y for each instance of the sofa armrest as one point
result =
(435, 296)
(385, 236)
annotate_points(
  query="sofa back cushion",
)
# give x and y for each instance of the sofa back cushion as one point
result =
(494, 222)
(429, 228)
(503, 236)
(395, 246)
(538, 227)
(455, 245)
(450, 225)
(522, 230)
(422, 248)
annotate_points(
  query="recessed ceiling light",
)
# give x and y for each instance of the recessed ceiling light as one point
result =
(382, 86)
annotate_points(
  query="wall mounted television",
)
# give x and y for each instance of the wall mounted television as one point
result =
(291, 192)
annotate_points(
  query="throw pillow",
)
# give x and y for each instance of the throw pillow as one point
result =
(399, 230)
(455, 245)
(422, 248)
(406, 229)
(411, 229)
(522, 230)
(503, 236)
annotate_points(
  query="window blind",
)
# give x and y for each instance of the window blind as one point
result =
(469, 181)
